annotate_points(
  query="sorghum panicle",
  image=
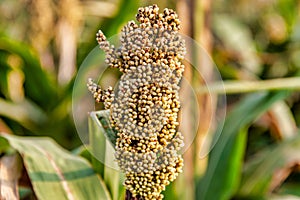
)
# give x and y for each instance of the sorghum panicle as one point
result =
(144, 108)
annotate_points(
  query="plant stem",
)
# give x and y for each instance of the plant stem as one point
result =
(232, 87)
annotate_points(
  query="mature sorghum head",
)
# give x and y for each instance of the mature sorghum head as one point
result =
(144, 108)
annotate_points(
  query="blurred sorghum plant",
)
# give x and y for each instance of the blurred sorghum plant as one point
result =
(144, 107)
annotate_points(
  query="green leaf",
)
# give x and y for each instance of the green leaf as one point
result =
(56, 173)
(97, 143)
(4, 145)
(38, 84)
(25, 192)
(127, 11)
(4, 71)
(109, 132)
(102, 143)
(26, 113)
(225, 160)
(290, 188)
(259, 171)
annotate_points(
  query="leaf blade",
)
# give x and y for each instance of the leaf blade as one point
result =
(260, 170)
(216, 183)
(50, 166)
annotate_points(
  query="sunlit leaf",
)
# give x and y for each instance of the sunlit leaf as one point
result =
(102, 143)
(26, 113)
(55, 173)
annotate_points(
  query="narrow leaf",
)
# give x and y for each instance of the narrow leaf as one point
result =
(109, 131)
(259, 173)
(26, 113)
(224, 167)
(290, 188)
(102, 142)
(37, 80)
(112, 26)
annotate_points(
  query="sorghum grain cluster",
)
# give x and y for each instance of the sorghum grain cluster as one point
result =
(144, 108)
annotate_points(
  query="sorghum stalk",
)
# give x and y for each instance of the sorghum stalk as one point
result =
(144, 108)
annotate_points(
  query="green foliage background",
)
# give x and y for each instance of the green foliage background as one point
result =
(258, 153)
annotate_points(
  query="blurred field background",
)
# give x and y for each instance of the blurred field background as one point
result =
(44, 42)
